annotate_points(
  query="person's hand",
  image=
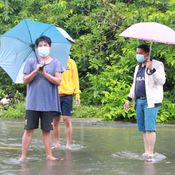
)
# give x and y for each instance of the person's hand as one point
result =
(43, 71)
(39, 67)
(149, 65)
(126, 106)
(78, 102)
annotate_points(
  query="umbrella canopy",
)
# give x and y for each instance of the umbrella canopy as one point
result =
(17, 45)
(65, 34)
(151, 31)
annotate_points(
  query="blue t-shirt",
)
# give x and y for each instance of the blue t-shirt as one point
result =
(42, 95)
(140, 82)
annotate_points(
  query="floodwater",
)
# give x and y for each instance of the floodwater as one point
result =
(96, 150)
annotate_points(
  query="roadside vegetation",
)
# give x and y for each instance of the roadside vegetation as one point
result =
(105, 61)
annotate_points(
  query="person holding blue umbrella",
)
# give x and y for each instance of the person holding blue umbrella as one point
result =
(17, 45)
(42, 77)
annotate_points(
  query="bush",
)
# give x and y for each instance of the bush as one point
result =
(14, 112)
(84, 111)
(15, 108)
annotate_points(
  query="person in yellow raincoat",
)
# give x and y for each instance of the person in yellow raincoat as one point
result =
(68, 88)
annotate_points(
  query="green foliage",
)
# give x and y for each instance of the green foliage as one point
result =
(167, 110)
(15, 108)
(15, 112)
(84, 111)
(109, 89)
(105, 60)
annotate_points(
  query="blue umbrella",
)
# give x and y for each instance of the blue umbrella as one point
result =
(17, 45)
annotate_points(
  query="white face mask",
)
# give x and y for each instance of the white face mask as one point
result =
(43, 51)
(140, 58)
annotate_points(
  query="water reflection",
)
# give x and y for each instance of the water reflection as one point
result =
(67, 163)
(25, 170)
(149, 168)
(50, 168)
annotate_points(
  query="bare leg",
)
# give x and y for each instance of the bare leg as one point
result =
(151, 138)
(56, 131)
(47, 144)
(68, 131)
(26, 141)
(146, 145)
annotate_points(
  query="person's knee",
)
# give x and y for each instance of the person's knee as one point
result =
(45, 132)
(29, 133)
(67, 121)
(56, 120)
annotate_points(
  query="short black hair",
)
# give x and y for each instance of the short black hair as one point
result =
(43, 38)
(144, 47)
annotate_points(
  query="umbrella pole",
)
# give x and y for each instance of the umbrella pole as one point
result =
(150, 49)
(33, 48)
(36, 56)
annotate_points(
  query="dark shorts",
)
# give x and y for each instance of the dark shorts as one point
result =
(66, 105)
(33, 118)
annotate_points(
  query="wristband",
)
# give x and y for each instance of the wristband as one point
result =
(150, 71)
(129, 99)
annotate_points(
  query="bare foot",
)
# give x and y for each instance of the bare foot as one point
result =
(68, 147)
(150, 158)
(22, 159)
(56, 146)
(145, 154)
(51, 158)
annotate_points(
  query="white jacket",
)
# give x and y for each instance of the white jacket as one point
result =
(153, 84)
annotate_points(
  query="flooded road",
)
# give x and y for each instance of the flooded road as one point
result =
(96, 150)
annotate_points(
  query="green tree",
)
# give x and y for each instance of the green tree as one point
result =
(105, 60)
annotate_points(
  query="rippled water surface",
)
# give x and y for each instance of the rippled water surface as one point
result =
(96, 150)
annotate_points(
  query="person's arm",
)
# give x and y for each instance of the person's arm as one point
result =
(27, 78)
(157, 72)
(76, 83)
(129, 99)
(131, 93)
(53, 79)
(159, 75)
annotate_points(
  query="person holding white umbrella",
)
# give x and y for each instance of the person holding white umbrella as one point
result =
(147, 93)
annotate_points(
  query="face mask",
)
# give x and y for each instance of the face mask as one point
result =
(43, 51)
(140, 58)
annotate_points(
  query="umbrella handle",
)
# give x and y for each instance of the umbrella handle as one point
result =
(41, 68)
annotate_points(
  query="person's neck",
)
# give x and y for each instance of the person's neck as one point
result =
(45, 60)
(144, 63)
